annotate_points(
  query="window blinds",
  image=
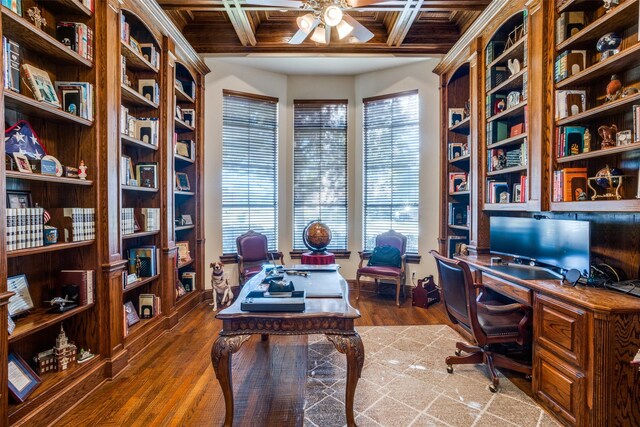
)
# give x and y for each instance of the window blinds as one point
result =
(249, 170)
(320, 169)
(391, 163)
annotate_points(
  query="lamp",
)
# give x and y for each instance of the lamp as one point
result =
(344, 29)
(319, 34)
(332, 15)
(305, 22)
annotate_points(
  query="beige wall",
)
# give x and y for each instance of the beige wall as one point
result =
(287, 88)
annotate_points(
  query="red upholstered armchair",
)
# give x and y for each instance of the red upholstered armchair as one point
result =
(253, 253)
(380, 272)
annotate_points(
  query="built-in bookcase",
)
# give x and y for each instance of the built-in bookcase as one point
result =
(595, 91)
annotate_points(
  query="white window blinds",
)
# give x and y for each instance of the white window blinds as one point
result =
(391, 163)
(320, 169)
(249, 170)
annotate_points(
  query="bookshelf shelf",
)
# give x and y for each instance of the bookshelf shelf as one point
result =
(626, 205)
(185, 264)
(25, 105)
(571, 5)
(608, 109)
(618, 62)
(599, 153)
(462, 127)
(133, 142)
(75, 6)
(621, 17)
(517, 110)
(185, 227)
(505, 206)
(139, 189)
(184, 193)
(515, 51)
(505, 171)
(459, 227)
(141, 328)
(181, 96)
(39, 319)
(140, 234)
(49, 248)
(180, 125)
(132, 97)
(48, 178)
(25, 33)
(185, 299)
(514, 140)
(512, 83)
(182, 159)
(139, 282)
(135, 60)
(461, 159)
(460, 193)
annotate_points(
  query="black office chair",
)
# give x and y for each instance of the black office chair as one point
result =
(490, 322)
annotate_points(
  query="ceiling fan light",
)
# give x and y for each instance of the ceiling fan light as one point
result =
(305, 22)
(318, 35)
(332, 15)
(344, 29)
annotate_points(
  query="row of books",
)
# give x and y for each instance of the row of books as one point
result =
(636, 123)
(146, 50)
(145, 129)
(568, 63)
(11, 64)
(500, 130)
(24, 228)
(459, 214)
(76, 36)
(145, 175)
(568, 24)
(74, 224)
(143, 261)
(129, 224)
(502, 158)
(570, 140)
(498, 191)
(570, 185)
(84, 280)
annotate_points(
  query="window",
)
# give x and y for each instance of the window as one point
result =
(391, 161)
(249, 168)
(320, 169)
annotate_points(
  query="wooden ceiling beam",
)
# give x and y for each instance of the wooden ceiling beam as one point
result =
(435, 5)
(241, 23)
(403, 23)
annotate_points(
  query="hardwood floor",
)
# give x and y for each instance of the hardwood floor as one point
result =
(172, 382)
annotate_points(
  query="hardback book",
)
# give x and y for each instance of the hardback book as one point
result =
(574, 184)
(143, 259)
(77, 98)
(149, 89)
(130, 314)
(12, 65)
(84, 279)
(13, 5)
(458, 214)
(40, 84)
(146, 303)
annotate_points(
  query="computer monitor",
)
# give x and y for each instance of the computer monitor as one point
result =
(563, 244)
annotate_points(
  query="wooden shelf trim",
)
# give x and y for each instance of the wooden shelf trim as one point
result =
(459, 227)
(182, 96)
(622, 16)
(24, 104)
(599, 153)
(608, 109)
(513, 111)
(48, 178)
(180, 158)
(139, 282)
(462, 127)
(140, 327)
(510, 83)
(182, 125)
(75, 6)
(26, 34)
(185, 264)
(184, 193)
(48, 248)
(131, 96)
(141, 189)
(136, 61)
(180, 301)
(460, 159)
(577, 4)
(512, 169)
(139, 234)
(514, 140)
(613, 64)
(505, 207)
(38, 319)
(514, 51)
(185, 227)
(460, 193)
(625, 205)
(133, 142)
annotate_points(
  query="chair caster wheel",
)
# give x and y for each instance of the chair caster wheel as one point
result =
(493, 388)
(458, 352)
(450, 369)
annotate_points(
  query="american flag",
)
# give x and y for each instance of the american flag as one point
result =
(20, 138)
(46, 216)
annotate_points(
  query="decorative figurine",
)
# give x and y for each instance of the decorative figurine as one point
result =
(64, 351)
(608, 134)
(614, 88)
(608, 45)
(38, 20)
(82, 174)
(60, 305)
(514, 66)
(629, 91)
(587, 141)
(85, 355)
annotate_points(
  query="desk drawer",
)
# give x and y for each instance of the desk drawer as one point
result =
(510, 289)
(562, 329)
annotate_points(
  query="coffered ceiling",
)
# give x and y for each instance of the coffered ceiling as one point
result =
(399, 26)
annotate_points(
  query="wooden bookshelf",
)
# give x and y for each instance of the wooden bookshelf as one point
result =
(461, 159)
(459, 227)
(184, 264)
(139, 189)
(571, 5)
(517, 110)
(185, 227)
(604, 110)
(38, 319)
(75, 7)
(183, 126)
(599, 153)
(140, 282)
(515, 51)
(139, 234)
(25, 105)
(508, 170)
(48, 178)
(48, 248)
(129, 95)
(135, 60)
(514, 140)
(181, 96)
(184, 193)
(512, 83)
(462, 127)
(134, 142)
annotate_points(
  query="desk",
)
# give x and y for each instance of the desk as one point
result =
(333, 317)
(583, 341)
(318, 258)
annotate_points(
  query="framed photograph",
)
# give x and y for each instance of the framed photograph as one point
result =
(184, 254)
(21, 301)
(22, 380)
(147, 174)
(18, 199)
(623, 138)
(456, 115)
(186, 219)
(182, 182)
(131, 314)
(22, 162)
(179, 115)
(184, 149)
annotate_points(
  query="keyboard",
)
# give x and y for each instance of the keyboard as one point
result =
(525, 272)
(631, 287)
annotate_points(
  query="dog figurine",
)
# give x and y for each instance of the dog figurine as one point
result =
(220, 286)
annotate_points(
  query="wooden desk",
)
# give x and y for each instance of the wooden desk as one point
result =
(584, 339)
(333, 317)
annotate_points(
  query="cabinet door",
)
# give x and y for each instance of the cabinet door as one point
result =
(560, 387)
(562, 329)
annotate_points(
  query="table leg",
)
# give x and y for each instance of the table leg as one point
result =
(221, 353)
(351, 345)
(264, 337)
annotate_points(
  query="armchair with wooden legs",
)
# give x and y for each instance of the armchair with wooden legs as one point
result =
(490, 323)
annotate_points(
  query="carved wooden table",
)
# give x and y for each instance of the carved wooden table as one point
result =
(333, 317)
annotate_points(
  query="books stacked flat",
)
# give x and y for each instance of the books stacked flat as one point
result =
(74, 224)
(24, 228)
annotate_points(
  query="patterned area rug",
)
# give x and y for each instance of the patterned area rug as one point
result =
(404, 383)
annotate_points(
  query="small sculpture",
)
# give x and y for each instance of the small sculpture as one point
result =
(587, 141)
(38, 20)
(82, 174)
(614, 88)
(608, 45)
(629, 91)
(85, 355)
(514, 66)
(60, 305)
(608, 135)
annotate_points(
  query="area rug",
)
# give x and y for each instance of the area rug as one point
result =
(404, 383)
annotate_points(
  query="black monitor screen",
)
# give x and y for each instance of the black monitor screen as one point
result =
(558, 243)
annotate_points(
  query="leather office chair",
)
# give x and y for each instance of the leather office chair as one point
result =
(489, 322)
(380, 272)
(253, 253)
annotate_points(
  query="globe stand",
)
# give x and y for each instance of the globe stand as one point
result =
(316, 237)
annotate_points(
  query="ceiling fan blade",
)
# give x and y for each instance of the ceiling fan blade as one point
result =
(293, 4)
(362, 3)
(359, 31)
(327, 33)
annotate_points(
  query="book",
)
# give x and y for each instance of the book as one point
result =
(12, 64)
(454, 243)
(77, 98)
(13, 5)
(146, 303)
(143, 260)
(40, 85)
(130, 315)
(570, 102)
(84, 279)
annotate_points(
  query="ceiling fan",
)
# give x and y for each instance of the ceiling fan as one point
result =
(322, 17)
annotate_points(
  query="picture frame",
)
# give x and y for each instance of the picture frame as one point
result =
(147, 174)
(184, 149)
(623, 138)
(22, 379)
(456, 115)
(182, 182)
(19, 199)
(21, 301)
(22, 162)
(184, 254)
(185, 219)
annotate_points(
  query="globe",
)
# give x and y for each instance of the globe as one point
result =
(607, 177)
(316, 236)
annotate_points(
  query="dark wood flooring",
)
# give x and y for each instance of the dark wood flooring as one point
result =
(172, 382)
